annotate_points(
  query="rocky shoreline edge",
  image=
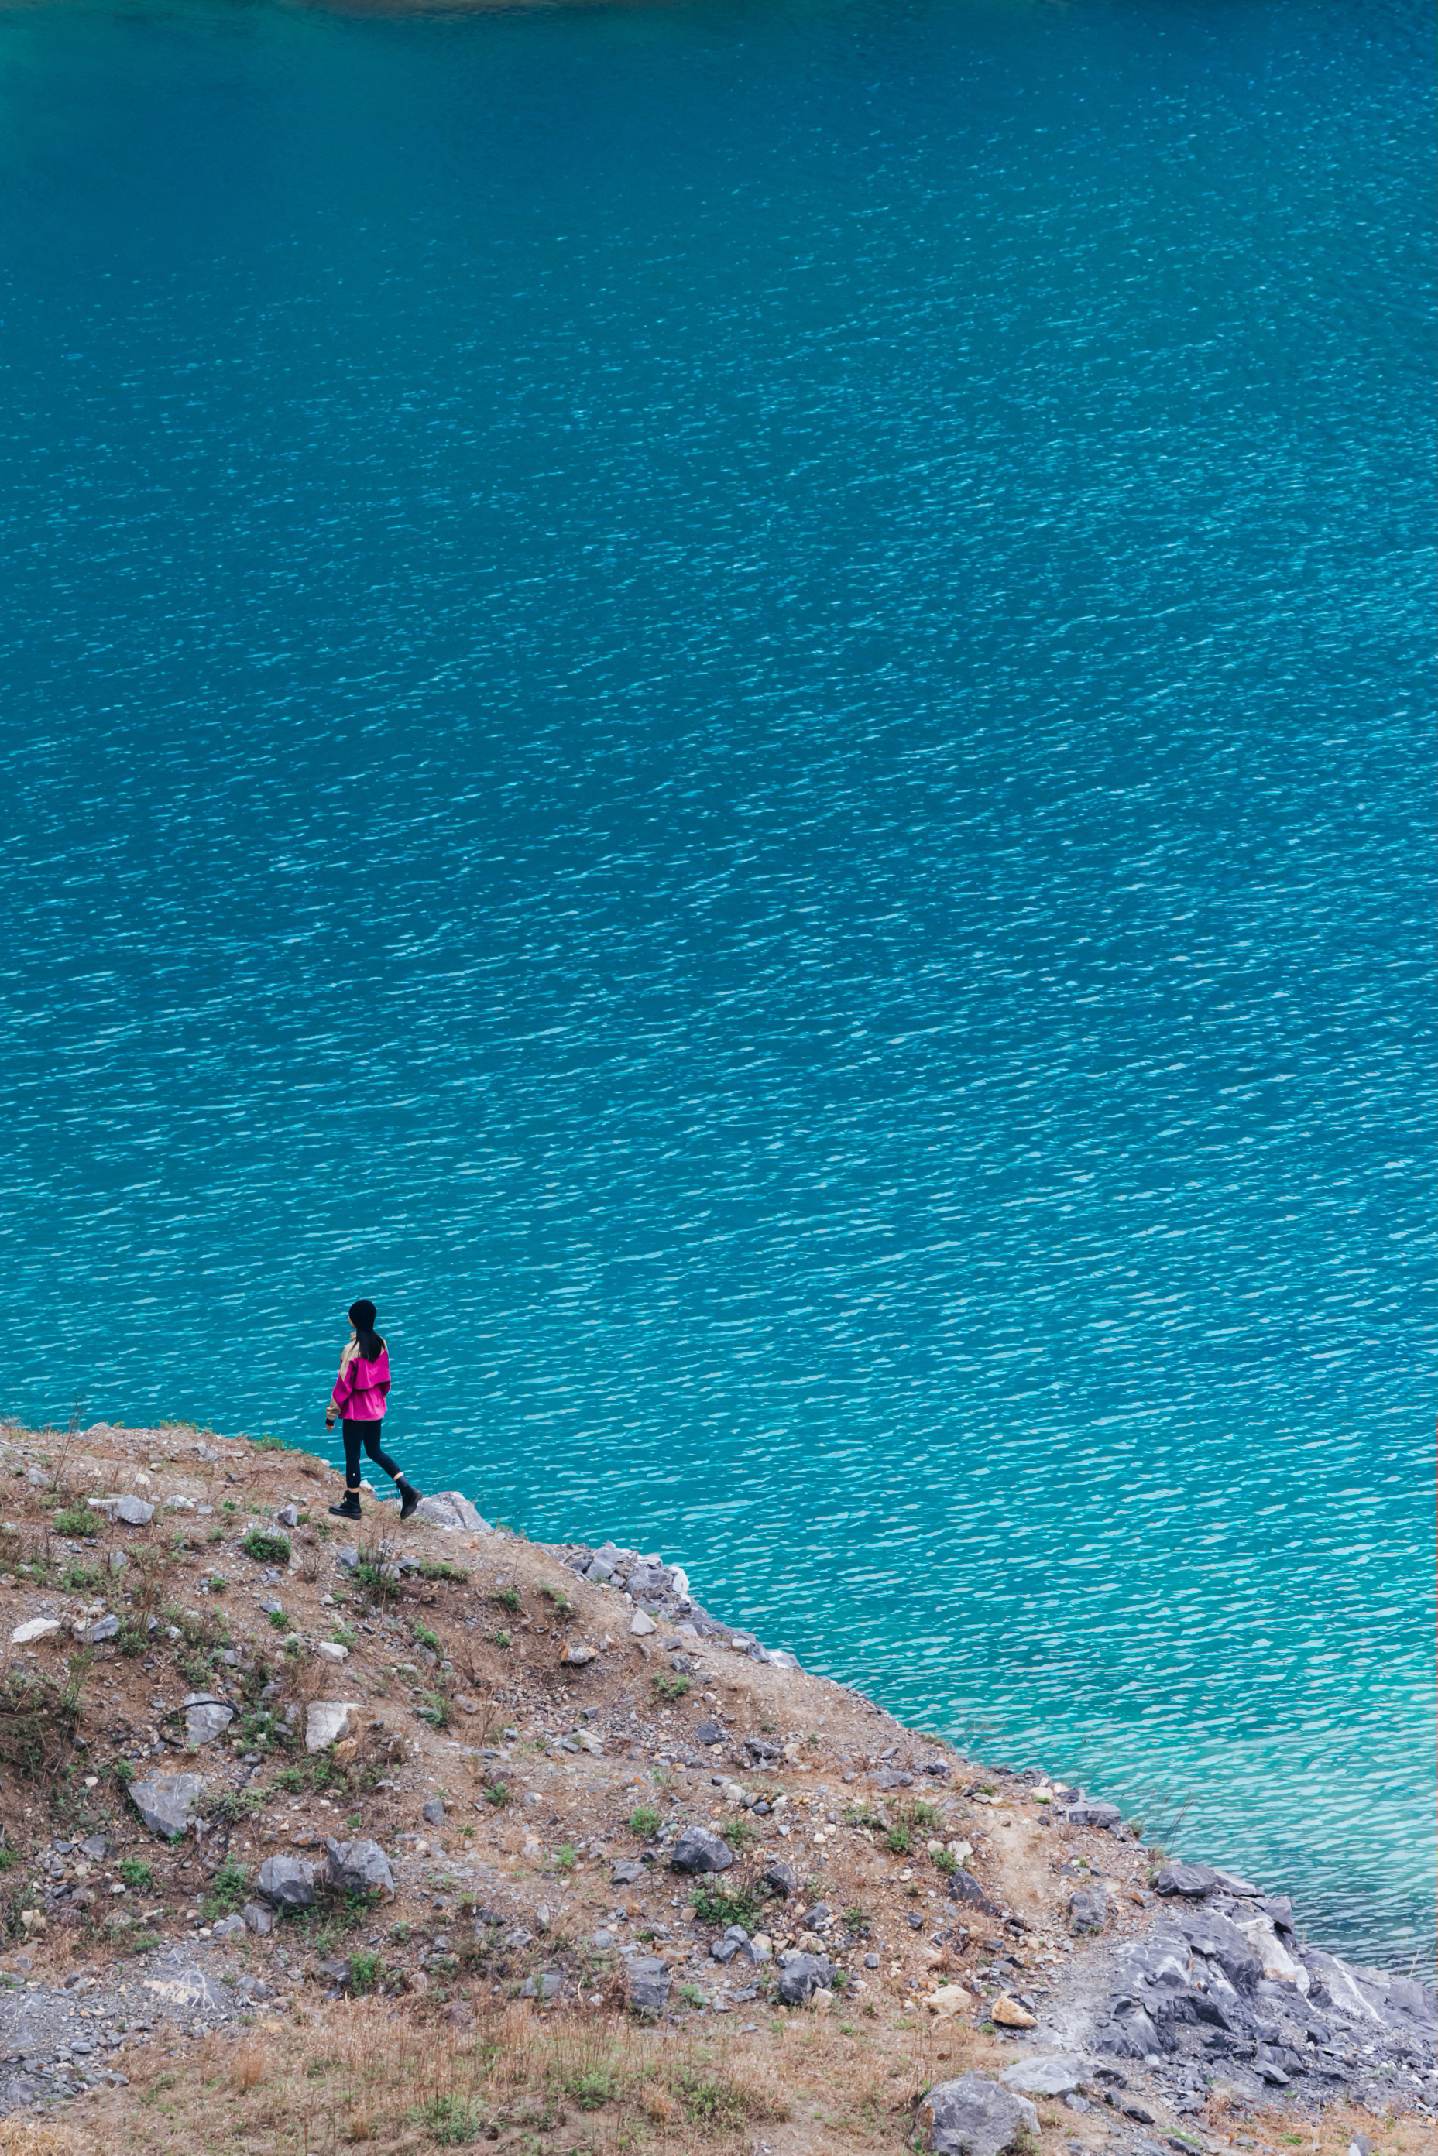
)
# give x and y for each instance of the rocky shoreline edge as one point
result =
(1222, 1979)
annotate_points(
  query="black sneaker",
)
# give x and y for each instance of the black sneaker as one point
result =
(408, 1497)
(347, 1509)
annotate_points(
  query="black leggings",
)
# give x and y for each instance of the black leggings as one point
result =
(366, 1434)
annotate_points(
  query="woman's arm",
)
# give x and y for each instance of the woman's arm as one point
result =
(344, 1386)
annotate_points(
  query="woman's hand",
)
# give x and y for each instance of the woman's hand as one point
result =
(330, 1419)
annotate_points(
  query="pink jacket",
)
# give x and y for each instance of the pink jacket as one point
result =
(361, 1387)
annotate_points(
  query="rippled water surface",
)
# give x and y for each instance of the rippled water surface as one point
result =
(733, 700)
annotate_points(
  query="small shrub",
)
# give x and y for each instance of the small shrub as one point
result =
(899, 1840)
(136, 1873)
(230, 1806)
(374, 1581)
(438, 1568)
(727, 1905)
(424, 1637)
(503, 1639)
(711, 2098)
(270, 1444)
(39, 1715)
(593, 2087)
(645, 1821)
(267, 1546)
(228, 1887)
(671, 1686)
(508, 1599)
(78, 1520)
(566, 1858)
(946, 1861)
(80, 1579)
(499, 1794)
(740, 1834)
(435, 1709)
(365, 1972)
(449, 2121)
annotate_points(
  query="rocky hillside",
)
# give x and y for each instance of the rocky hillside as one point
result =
(319, 1838)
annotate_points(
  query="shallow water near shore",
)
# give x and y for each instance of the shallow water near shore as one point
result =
(735, 702)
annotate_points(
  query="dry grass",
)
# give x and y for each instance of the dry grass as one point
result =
(22, 2137)
(345, 2077)
(352, 2076)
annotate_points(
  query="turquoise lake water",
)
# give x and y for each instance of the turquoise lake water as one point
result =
(734, 700)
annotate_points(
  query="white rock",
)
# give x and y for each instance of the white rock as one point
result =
(641, 1624)
(948, 2000)
(330, 1650)
(326, 1721)
(133, 1511)
(35, 1628)
(453, 1512)
(1279, 1965)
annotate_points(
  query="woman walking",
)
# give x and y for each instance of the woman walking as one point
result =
(360, 1398)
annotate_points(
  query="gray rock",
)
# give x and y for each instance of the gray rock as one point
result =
(646, 1984)
(288, 1516)
(166, 1802)
(1217, 1939)
(205, 1719)
(132, 1511)
(96, 1847)
(1107, 1816)
(709, 1731)
(780, 1878)
(454, 1513)
(95, 1635)
(547, 1985)
(626, 1872)
(964, 1887)
(697, 1850)
(359, 1868)
(1131, 2032)
(1056, 2074)
(432, 1811)
(258, 1919)
(974, 2116)
(228, 1927)
(347, 1557)
(1191, 1879)
(287, 1882)
(800, 1976)
(1090, 1908)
